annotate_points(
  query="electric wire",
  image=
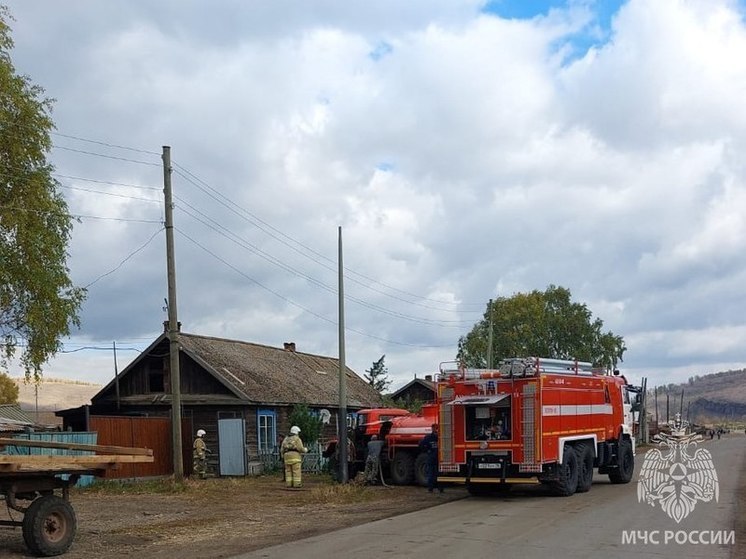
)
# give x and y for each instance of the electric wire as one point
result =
(188, 175)
(82, 216)
(221, 230)
(90, 190)
(130, 255)
(100, 143)
(261, 224)
(107, 156)
(291, 302)
(107, 182)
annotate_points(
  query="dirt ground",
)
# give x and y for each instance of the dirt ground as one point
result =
(219, 517)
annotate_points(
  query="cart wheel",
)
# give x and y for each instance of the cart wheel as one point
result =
(49, 526)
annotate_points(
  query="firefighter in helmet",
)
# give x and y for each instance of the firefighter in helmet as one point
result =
(199, 455)
(292, 450)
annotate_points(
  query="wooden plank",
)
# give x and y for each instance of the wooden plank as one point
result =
(40, 463)
(105, 449)
(41, 459)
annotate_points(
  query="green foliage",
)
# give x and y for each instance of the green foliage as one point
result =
(415, 405)
(377, 375)
(38, 302)
(310, 424)
(541, 324)
(8, 390)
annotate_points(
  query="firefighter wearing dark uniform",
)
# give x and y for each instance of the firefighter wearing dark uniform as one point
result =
(429, 444)
(292, 451)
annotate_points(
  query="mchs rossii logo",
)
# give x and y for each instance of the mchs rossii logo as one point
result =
(677, 474)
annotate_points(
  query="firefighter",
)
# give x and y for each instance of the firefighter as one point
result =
(372, 461)
(199, 455)
(292, 449)
(429, 444)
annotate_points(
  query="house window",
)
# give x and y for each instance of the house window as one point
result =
(267, 433)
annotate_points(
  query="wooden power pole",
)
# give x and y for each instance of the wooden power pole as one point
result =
(342, 415)
(173, 324)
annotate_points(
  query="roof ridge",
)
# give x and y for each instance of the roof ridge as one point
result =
(256, 345)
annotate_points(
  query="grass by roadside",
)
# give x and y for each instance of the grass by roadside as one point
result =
(319, 489)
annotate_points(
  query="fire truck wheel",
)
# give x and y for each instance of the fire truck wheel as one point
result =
(420, 470)
(623, 473)
(585, 466)
(567, 482)
(402, 469)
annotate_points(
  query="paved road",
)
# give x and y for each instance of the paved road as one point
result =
(529, 524)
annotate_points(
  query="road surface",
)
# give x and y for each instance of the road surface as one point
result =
(530, 524)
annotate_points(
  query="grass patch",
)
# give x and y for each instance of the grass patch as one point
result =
(138, 487)
(339, 494)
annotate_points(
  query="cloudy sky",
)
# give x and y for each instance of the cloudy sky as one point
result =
(467, 149)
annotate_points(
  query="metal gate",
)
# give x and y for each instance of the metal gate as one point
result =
(231, 438)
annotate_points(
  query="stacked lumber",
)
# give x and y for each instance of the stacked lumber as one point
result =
(104, 457)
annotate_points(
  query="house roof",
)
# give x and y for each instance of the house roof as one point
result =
(269, 375)
(14, 413)
(12, 418)
(430, 385)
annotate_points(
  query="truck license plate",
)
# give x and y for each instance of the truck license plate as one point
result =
(488, 465)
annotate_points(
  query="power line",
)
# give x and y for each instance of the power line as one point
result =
(104, 143)
(125, 260)
(107, 182)
(81, 216)
(110, 194)
(107, 156)
(248, 246)
(85, 348)
(290, 301)
(253, 219)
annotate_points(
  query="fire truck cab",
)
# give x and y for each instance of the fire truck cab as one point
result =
(533, 420)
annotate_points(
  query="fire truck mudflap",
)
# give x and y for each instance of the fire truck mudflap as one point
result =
(533, 420)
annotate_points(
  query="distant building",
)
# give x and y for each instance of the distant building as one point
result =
(14, 420)
(416, 390)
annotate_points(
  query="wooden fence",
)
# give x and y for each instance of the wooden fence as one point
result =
(313, 461)
(143, 432)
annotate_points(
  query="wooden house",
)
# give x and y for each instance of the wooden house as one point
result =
(240, 393)
(417, 390)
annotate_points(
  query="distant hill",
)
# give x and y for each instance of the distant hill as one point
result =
(714, 398)
(55, 394)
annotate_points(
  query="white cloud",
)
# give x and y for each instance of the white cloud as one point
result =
(466, 157)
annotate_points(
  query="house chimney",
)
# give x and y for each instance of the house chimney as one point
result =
(429, 378)
(290, 346)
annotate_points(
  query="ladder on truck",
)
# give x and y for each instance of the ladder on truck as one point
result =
(532, 366)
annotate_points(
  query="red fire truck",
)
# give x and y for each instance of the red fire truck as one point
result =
(402, 462)
(534, 420)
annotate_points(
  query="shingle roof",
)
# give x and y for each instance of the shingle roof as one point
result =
(271, 375)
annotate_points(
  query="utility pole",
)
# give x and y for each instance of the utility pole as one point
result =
(342, 416)
(173, 325)
(116, 372)
(489, 337)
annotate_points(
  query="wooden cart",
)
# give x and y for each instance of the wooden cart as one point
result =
(49, 522)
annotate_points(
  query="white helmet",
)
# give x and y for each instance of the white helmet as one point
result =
(201, 433)
(294, 430)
